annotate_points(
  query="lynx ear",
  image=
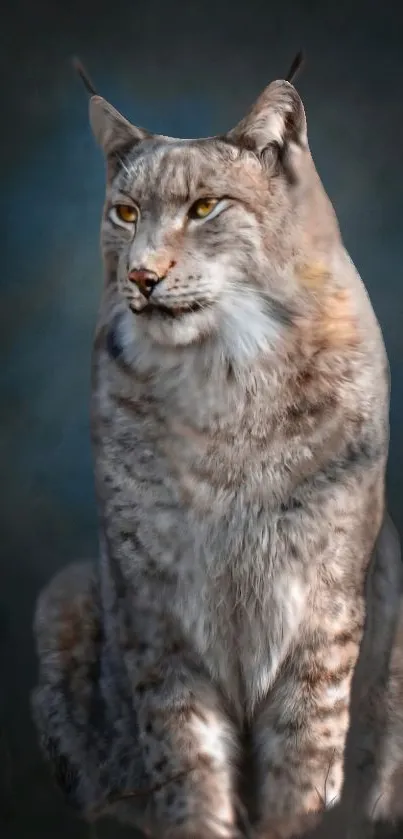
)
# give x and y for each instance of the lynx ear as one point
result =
(277, 118)
(111, 130)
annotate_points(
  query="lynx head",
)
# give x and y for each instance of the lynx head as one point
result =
(202, 237)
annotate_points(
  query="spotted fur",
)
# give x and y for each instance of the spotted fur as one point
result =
(240, 433)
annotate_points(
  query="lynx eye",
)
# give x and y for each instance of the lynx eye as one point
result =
(202, 208)
(124, 213)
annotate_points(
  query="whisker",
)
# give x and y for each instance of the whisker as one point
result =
(120, 160)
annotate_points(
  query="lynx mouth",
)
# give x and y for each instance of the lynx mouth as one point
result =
(157, 310)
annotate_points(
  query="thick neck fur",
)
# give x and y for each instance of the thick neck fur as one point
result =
(294, 394)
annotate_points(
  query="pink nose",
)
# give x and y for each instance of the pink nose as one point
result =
(145, 280)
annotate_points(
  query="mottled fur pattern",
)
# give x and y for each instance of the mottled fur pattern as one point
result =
(240, 432)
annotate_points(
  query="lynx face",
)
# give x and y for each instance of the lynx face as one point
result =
(203, 235)
(187, 224)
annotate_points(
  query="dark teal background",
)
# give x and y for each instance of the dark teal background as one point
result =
(184, 69)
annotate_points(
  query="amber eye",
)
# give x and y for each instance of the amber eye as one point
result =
(203, 207)
(125, 213)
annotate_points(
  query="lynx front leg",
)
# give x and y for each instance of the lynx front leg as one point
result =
(189, 751)
(300, 736)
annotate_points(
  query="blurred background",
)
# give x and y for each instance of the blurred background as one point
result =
(186, 69)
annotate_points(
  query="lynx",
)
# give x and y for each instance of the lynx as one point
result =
(205, 667)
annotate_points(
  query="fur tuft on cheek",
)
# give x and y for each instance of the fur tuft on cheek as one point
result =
(247, 326)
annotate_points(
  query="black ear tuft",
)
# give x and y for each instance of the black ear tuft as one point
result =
(296, 67)
(82, 73)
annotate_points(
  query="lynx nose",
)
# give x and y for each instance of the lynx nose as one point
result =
(145, 280)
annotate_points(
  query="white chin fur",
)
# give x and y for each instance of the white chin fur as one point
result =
(237, 322)
(240, 325)
(183, 330)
